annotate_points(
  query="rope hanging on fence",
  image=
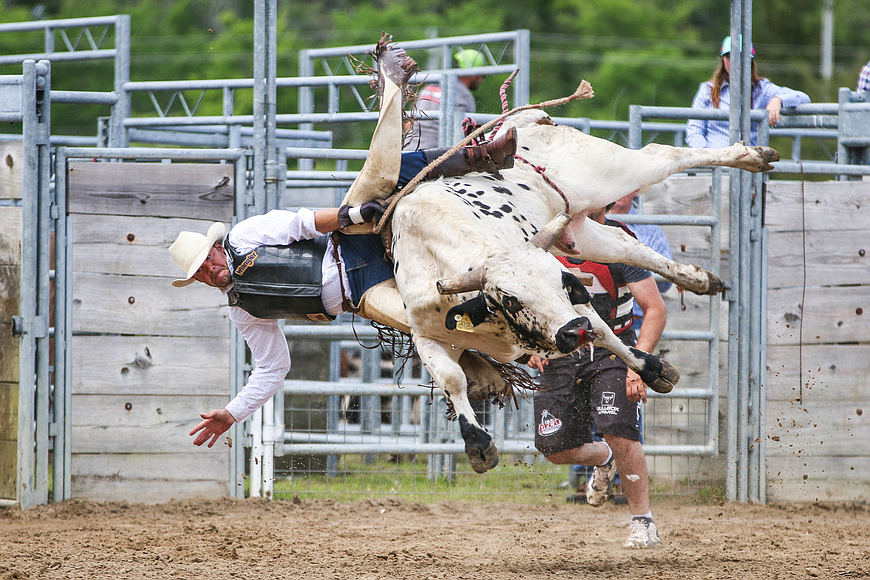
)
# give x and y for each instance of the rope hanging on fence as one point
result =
(584, 91)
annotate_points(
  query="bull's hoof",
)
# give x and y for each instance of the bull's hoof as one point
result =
(768, 155)
(482, 460)
(481, 450)
(714, 285)
(667, 378)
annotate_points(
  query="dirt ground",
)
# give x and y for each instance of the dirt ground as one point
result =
(395, 538)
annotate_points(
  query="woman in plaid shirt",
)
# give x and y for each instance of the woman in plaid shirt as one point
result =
(716, 94)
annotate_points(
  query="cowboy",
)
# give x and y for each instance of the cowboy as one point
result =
(282, 265)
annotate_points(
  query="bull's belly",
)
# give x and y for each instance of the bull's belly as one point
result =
(498, 348)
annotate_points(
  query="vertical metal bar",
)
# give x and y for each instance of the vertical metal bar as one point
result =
(59, 417)
(522, 57)
(61, 347)
(732, 473)
(306, 102)
(269, 448)
(43, 277)
(762, 377)
(744, 346)
(259, 105)
(635, 127)
(446, 126)
(715, 303)
(271, 167)
(67, 371)
(121, 109)
(237, 348)
(27, 300)
(234, 136)
(256, 469)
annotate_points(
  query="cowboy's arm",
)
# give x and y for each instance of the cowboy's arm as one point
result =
(272, 363)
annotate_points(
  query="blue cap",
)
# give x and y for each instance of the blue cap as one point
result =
(726, 47)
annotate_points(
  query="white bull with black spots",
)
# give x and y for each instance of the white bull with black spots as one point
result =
(474, 272)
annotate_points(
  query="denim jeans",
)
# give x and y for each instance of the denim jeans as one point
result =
(412, 163)
(365, 262)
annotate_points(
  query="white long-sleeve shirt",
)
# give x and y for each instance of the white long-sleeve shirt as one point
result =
(265, 337)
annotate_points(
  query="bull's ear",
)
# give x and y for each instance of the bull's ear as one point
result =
(475, 309)
(577, 292)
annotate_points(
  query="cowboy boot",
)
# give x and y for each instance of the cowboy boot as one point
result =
(485, 158)
(394, 64)
(380, 172)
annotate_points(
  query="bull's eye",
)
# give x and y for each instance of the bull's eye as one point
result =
(511, 304)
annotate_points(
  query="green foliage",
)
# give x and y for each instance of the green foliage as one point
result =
(652, 52)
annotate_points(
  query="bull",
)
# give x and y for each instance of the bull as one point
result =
(474, 270)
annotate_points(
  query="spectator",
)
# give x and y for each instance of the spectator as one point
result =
(864, 78)
(715, 94)
(424, 133)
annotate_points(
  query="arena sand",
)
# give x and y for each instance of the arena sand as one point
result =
(396, 538)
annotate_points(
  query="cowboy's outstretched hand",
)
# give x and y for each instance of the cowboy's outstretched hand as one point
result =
(214, 424)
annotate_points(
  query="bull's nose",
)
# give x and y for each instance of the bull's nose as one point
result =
(570, 337)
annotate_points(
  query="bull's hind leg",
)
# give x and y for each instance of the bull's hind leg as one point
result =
(442, 363)
(607, 244)
(740, 156)
(656, 373)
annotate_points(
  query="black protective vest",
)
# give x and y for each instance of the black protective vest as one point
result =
(280, 281)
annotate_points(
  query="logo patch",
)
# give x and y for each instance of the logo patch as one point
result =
(549, 424)
(246, 263)
(606, 407)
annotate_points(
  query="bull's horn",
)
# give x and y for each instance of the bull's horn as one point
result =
(465, 282)
(545, 238)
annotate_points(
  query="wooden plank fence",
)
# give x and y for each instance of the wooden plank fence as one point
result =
(147, 358)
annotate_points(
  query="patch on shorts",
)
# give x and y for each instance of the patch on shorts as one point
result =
(606, 407)
(549, 424)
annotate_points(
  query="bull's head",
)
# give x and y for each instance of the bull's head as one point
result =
(527, 288)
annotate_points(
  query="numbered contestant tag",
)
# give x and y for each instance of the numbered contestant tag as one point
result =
(463, 323)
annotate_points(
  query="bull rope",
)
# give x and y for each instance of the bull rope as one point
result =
(584, 91)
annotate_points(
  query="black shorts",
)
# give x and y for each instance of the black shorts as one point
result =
(577, 395)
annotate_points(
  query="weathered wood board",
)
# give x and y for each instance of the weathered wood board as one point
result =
(11, 187)
(147, 357)
(111, 304)
(132, 246)
(184, 190)
(829, 315)
(826, 258)
(818, 478)
(152, 423)
(817, 206)
(818, 439)
(150, 477)
(828, 372)
(148, 365)
(11, 169)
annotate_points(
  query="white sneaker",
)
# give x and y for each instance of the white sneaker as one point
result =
(644, 534)
(599, 487)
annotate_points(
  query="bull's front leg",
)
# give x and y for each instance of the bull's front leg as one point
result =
(607, 245)
(656, 373)
(442, 363)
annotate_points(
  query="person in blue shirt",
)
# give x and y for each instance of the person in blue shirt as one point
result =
(715, 94)
(652, 236)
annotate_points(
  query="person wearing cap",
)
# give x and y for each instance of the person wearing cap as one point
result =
(715, 94)
(424, 133)
(283, 265)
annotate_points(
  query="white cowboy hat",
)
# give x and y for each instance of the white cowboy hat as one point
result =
(190, 250)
